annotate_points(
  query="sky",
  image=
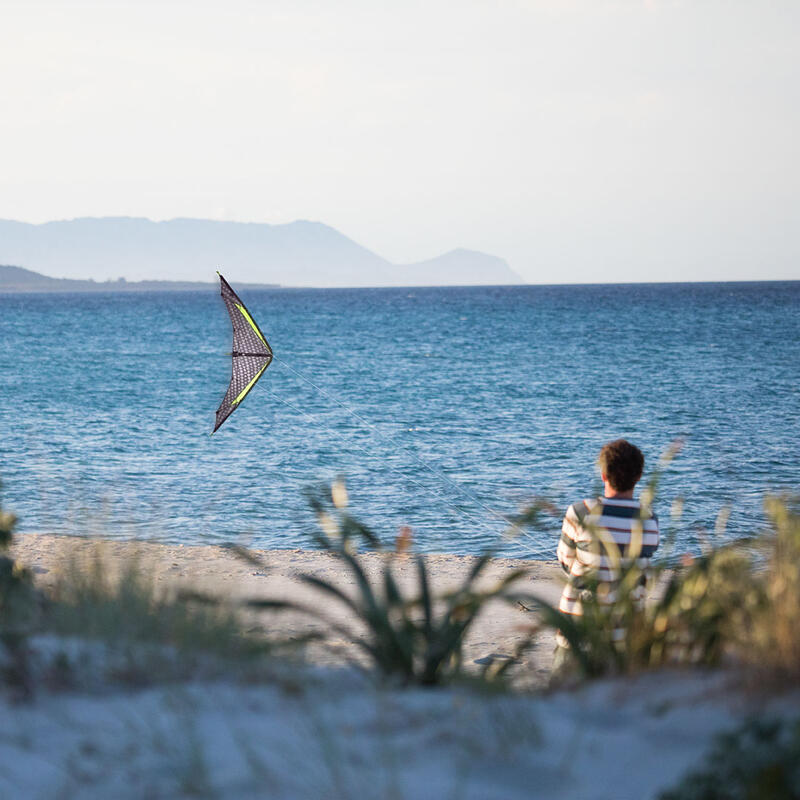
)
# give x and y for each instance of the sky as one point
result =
(581, 141)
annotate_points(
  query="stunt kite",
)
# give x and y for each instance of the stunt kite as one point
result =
(251, 353)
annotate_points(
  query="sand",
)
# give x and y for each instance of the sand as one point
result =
(496, 633)
(309, 732)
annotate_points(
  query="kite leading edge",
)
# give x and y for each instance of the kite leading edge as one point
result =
(250, 356)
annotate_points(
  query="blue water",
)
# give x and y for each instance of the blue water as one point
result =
(107, 401)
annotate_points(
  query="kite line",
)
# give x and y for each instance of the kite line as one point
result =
(251, 354)
(386, 440)
(438, 495)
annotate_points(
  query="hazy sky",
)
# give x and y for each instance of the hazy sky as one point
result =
(581, 141)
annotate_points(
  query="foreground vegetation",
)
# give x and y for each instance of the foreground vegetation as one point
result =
(735, 605)
(416, 639)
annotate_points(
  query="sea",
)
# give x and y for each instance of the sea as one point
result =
(447, 410)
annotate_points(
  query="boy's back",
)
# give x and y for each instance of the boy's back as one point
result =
(596, 533)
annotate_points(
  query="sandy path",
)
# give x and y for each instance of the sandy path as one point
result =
(496, 632)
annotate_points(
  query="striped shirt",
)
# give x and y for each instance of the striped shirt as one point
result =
(597, 537)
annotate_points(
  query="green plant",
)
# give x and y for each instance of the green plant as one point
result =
(689, 621)
(18, 606)
(738, 600)
(773, 640)
(414, 639)
(17, 598)
(758, 761)
(692, 618)
(157, 631)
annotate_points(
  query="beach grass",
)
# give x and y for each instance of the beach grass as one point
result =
(413, 638)
(736, 604)
(106, 620)
(122, 605)
(732, 606)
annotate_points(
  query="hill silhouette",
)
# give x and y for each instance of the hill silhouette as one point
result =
(300, 253)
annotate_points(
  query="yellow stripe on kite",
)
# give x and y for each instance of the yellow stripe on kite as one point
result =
(250, 320)
(249, 386)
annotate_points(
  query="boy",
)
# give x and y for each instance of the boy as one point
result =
(616, 517)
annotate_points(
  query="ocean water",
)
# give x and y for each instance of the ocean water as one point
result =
(443, 408)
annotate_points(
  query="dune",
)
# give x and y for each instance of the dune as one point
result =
(320, 728)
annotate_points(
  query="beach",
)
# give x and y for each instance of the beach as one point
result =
(319, 727)
(399, 401)
(126, 696)
(220, 572)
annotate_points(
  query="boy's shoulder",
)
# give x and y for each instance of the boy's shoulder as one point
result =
(582, 509)
(596, 506)
(627, 509)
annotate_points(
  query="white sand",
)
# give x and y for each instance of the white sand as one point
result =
(326, 733)
(218, 571)
(339, 737)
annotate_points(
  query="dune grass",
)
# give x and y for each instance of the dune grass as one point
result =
(113, 622)
(117, 628)
(769, 640)
(92, 599)
(17, 596)
(737, 603)
(414, 639)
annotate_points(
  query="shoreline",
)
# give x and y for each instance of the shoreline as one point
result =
(228, 546)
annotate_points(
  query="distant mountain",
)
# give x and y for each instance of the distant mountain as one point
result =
(460, 267)
(297, 254)
(17, 279)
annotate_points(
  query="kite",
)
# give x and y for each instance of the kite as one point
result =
(251, 353)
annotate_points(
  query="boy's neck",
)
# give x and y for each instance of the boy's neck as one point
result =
(613, 493)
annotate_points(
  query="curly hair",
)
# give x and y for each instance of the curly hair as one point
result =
(622, 463)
